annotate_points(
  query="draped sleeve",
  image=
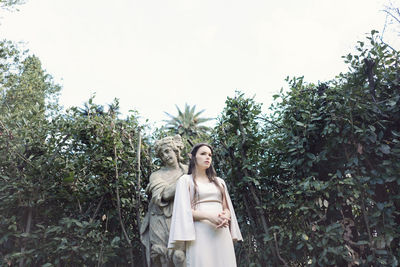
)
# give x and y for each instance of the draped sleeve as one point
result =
(182, 226)
(234, 226)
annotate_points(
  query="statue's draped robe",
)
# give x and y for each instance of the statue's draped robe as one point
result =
(156, 224)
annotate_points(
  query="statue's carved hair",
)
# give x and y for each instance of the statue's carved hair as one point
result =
(174, 142)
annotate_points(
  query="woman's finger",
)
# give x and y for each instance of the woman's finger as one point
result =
(224, 223)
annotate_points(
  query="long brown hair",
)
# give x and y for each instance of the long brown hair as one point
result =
(210, 172)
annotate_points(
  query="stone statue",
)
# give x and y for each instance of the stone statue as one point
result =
(156, 224)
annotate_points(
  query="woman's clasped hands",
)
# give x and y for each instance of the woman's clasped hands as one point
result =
(226, 218)
(221, 219)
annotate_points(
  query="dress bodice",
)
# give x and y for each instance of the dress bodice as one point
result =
(208, 192)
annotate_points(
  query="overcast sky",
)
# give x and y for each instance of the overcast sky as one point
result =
(153, 54)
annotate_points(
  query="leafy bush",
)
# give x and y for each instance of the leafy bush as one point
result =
(69, 181)
(317, 181)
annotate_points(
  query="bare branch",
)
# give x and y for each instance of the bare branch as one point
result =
(391, 15)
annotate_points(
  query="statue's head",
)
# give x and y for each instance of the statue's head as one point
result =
(173, 142)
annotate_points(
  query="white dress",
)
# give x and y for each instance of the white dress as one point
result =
(205, 245)
(213, 246)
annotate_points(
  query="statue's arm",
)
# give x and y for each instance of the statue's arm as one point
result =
(160, 189)
(169, 192)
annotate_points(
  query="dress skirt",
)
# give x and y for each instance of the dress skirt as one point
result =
(213, 247)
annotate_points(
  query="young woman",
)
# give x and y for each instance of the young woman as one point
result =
(203, 220)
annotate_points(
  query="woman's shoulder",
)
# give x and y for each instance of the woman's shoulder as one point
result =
(185, 178)
(184, 181)
(222, 181)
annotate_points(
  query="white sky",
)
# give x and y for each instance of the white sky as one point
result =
(153, 54)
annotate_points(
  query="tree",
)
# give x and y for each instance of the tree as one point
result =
(238, 140)
(26, 100)
(321, 169)
(69, 183)
(187, 123)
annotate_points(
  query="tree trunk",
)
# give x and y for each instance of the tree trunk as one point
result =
(253, 191)
(119, 201)
(138, 180)
(27, 231)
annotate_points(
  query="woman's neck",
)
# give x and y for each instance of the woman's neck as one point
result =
(201, 175)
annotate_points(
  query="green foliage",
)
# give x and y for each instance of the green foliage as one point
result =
(322, 169)
(187, 125)
(239, 152)
(9, 4)
(68, 181)
(315, 183)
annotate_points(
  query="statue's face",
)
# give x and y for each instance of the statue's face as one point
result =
(168, 156)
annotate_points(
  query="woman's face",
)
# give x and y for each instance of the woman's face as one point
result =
(168, 156)
(203, 157)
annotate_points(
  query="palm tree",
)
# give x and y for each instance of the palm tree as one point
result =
(187, 123)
